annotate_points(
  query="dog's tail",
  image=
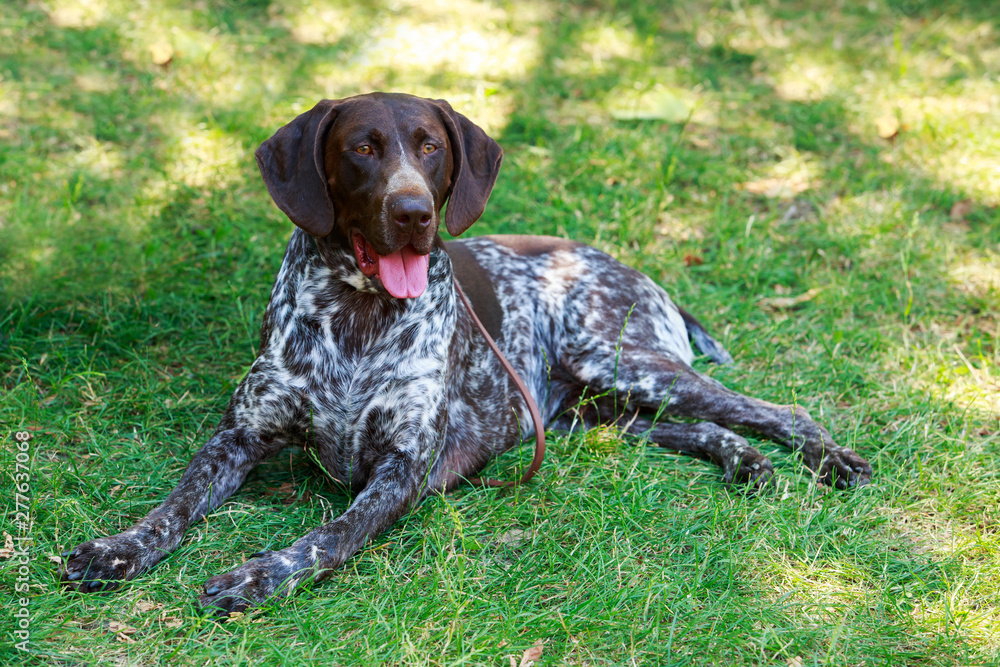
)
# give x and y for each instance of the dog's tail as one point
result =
(703, 341)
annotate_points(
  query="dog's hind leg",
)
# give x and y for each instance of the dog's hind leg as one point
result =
(654, 382)
(741, 463)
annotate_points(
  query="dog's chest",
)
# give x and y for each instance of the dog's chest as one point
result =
(372, 369)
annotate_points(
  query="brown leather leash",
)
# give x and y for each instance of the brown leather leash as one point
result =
(536, 416)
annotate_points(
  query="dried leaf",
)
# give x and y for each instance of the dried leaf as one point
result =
(161, 53)
(693, 260)
(289, 493)
(122, 637)
(171, 621)
(786, 302)
(121, 628)
(887, 126)
(795, 662)
(777, 188)
(52, 558)
(960, 209)
(144, 606)
(532, 654)
(514, 536)
(8, 545)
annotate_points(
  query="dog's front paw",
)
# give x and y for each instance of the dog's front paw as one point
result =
(844, 468)
(101, 565)
(251, 584)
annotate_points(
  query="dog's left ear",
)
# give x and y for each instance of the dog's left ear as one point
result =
(476, 159)
(291, 163)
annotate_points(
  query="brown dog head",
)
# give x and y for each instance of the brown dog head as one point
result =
(376, 170)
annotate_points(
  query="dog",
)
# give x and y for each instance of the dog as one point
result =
(368, 360)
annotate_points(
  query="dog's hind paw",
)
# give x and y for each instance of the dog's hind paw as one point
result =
(844, 468)
(750, 470)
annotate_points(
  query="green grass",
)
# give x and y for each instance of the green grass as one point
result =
(138, 246)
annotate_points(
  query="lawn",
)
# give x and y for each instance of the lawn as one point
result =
(819, 186)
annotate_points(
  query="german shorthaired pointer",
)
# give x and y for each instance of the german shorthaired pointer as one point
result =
(367, 359)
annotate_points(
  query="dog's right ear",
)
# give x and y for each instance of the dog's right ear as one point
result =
(291, 163)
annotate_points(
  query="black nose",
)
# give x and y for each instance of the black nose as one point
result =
(412, 212)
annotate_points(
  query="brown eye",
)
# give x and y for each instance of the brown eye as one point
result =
(363, 150)
(429, 148)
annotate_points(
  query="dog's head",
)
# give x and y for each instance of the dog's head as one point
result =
(375, 170)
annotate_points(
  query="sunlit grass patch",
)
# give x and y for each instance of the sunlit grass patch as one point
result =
(201, 156)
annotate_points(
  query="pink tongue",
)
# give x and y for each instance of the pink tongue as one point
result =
(404, 272)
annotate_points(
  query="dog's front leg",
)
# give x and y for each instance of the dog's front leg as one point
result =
(214, 473)
(392, 489)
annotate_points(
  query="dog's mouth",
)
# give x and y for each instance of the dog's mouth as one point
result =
(403, 273)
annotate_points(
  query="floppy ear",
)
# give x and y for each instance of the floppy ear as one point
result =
(291, 163)
(476, 163)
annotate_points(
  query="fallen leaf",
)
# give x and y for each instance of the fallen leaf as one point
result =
(121, 628)
(887, 126)
(513, 661)
(143, 606)
(786, 302)
(532, 654)
(161, 53)
(171, 621)
(514, 536)
(122, 637)
(52, 558)
(960, 209)
(8, 545)
(693, 260)
(795, 662)
(288, 490)
(777, 188)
